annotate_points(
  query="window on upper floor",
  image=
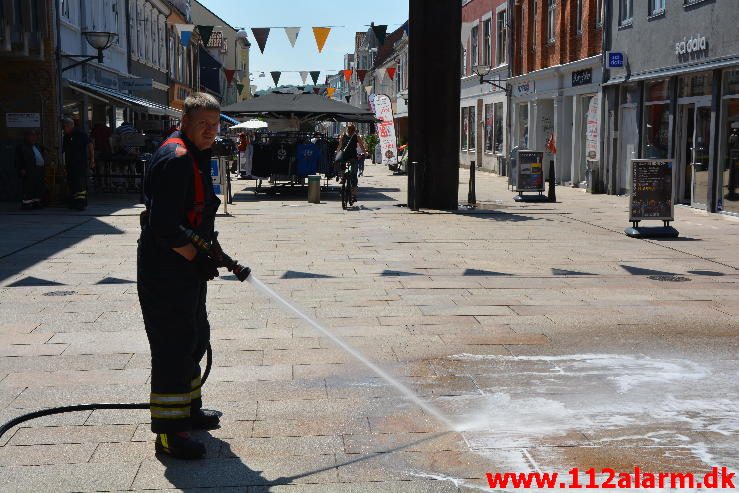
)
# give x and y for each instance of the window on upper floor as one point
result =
(656, 7)
(578, 16)
(487, 42)
(625, 11)
(501, 40)
(551, 21)
(140, 24)
(532, 27)
(599, 13)
(474, 44)
(463, 68)
(64, 9)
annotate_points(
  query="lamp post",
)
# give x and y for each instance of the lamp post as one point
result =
(99, 40)
(483, 71)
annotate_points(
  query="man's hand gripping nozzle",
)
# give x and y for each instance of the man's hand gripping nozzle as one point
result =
(213, 250)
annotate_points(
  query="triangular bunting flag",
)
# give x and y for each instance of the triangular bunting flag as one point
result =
(391, 72)
(229, 75)
(304, 76)
(380, 34)
(205, 32)
(261, 34)
(368, 90)
(361, 74)
(348, 99)
(240, 88)
(292, 34)
(321, 35)
(276, 77)
(348, 74)
(185, 31)
(314, 75)
(380, 75)
(331, 91)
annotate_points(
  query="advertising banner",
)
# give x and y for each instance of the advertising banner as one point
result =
(386, 129)
(651, 185)
(530, 171)
(592, 133)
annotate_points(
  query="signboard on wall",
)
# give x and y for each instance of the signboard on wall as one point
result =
(530, 171)
(582, 77)
(651, 185)
(23, 120)
(386, 129)
(592, 132)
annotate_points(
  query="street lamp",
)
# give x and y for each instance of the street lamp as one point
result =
(99, 40)
(483, 71)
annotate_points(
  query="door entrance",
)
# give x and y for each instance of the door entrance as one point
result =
(693, 137)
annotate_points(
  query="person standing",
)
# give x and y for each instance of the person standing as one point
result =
(29, 159)
(172, 276)
(78, 153)
(349, 143)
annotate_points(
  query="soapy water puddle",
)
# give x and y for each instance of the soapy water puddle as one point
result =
(675, 411)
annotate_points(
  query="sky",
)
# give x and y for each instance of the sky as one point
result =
(279, 55)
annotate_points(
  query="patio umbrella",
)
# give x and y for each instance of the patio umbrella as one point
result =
(251, 124)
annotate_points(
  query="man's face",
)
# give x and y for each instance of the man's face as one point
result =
(68, 127)
(201, 127)
(32, 138)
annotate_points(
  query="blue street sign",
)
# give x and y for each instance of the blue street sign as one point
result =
(614, 59)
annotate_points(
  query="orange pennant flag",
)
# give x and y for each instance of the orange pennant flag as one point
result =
(321, 35)
(330, 91)
(348, 74)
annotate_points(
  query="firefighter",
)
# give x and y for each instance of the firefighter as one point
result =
(172, 277)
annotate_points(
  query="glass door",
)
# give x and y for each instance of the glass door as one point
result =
(700, 158)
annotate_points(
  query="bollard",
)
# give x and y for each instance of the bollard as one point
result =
(314, 189)
(552, 195)
(413, 186)
(471, 198)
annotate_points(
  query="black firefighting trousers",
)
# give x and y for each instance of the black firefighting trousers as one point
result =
(172, 302)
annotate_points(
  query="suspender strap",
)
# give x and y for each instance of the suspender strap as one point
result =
(194, 215)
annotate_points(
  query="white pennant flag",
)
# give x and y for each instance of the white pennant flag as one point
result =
(304, 76)
(292, 35)
(380, 74)
(368, 90)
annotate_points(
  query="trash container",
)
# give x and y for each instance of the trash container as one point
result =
(314, 189)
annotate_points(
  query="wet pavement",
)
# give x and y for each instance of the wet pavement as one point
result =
(550, 337)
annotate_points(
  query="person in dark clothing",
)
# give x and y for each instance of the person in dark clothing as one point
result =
(172, 276)
(348, 144)
(29, 160)
(78, 151)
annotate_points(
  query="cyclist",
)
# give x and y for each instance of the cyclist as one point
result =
(349, 142)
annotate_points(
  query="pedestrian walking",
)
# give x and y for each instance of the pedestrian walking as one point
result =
(79, 153)
(172, 277)
(29, 159)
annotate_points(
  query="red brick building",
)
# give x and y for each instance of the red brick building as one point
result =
(483, 108)
(556, 84)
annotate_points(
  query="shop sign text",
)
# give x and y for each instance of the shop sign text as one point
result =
(695, 44)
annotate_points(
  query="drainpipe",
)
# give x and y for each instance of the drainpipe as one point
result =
(509, 92)
(607, 165)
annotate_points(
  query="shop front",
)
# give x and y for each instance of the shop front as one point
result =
(483, 125)
(557, 111)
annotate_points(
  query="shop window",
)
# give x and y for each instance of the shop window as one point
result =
(501, 49)
(552, 21)
(729, 176)
(472, 129)
(656, 130)
(489, 128)
(523, 126)
(499, 131)
(487, 41)
(695, 85)
(463, 129)
(656, 91)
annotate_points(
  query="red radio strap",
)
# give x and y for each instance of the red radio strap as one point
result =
(194, 215)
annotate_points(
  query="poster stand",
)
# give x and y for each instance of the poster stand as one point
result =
(530, 176)
(651, 198)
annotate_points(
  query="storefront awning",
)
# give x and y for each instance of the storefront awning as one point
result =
(663, 73)
(124, 99)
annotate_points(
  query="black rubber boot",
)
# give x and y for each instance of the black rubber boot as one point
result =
(180, 446)
(205, 419)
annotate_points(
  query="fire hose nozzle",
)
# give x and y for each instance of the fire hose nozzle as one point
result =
(213, 250)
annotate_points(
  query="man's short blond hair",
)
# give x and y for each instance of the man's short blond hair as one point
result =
(201, 101)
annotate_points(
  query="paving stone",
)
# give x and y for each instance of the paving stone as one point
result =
(72, 434)
(74, 477)
(39, 455)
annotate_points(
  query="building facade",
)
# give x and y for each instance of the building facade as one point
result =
(27, 41)
(676, 97)
(183, 60)
(556, 86)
